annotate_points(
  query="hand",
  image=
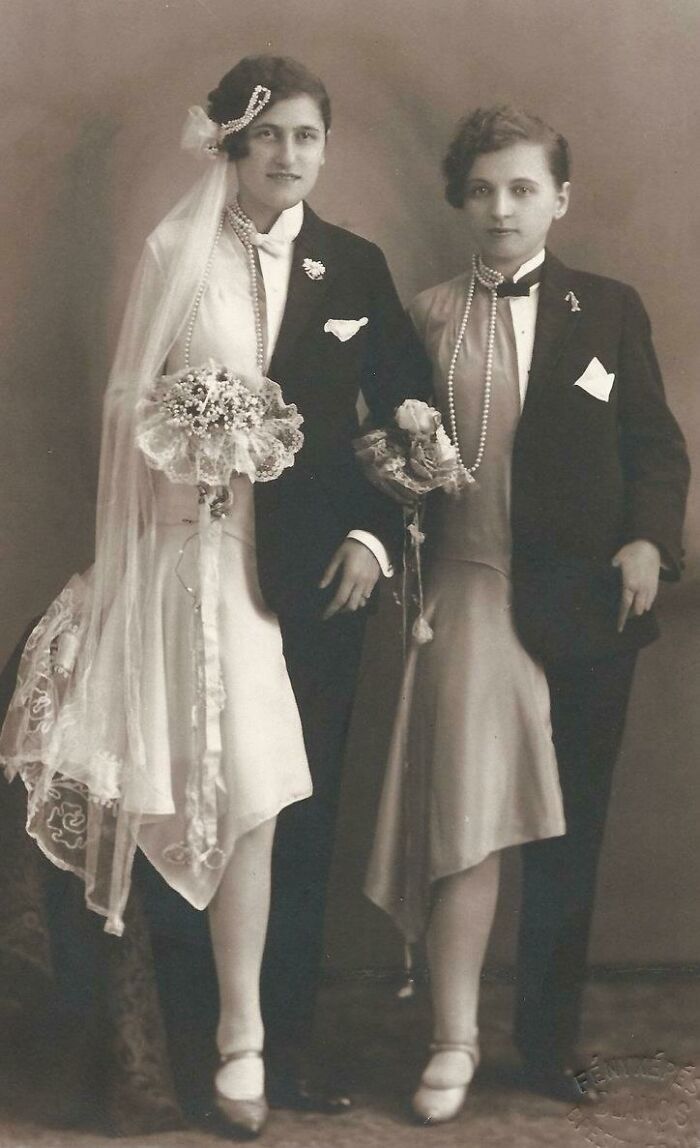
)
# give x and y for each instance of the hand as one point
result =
(357, 571)
(639, 563)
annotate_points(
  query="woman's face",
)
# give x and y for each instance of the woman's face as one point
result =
(511, 201)
(286, 144)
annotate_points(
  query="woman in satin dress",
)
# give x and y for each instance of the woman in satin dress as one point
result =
(471, 768)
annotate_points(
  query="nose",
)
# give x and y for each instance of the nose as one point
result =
(286, 151)
(501, 204)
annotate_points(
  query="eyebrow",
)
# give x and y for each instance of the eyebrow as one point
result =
(295, 127)
(515, 179)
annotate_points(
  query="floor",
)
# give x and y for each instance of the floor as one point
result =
(383, 1039)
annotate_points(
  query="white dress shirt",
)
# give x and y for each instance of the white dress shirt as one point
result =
(523, 310)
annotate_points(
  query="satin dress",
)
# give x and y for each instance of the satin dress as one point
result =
(471, 768)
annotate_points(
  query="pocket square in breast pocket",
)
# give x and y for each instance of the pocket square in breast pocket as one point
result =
(596, 381)
(344, 329)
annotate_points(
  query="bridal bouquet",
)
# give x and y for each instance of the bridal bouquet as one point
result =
(407, 459)
(203, 424)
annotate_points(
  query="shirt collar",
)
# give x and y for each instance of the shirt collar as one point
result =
(289, 224)
(531, 264)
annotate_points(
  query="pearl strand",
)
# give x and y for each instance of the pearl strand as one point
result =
(200, 293)
(491, 280)
(242, 227)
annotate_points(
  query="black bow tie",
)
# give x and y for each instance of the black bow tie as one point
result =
(508, 288)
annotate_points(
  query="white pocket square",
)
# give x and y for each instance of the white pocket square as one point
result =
(344, 329)
(596, 380)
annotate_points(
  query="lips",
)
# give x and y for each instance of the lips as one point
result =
(283, 176)
(500, 231)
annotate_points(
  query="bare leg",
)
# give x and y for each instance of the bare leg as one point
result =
(458, 933)
(460, 924)
(238, 917)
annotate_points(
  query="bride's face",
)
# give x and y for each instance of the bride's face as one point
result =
(286, 145)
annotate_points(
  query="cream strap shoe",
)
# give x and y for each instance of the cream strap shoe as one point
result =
(444, 1083)
(240, 1096)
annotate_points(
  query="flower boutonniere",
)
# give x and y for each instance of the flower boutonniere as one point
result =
(573, 302)
(314, 268)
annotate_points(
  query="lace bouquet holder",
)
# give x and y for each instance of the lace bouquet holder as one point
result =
(82, 758)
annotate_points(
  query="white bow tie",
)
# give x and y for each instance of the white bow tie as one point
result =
(268, 244)
(247, 233)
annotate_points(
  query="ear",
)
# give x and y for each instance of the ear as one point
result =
(562, 201)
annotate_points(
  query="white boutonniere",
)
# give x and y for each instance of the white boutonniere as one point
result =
(314, 268)
(573, 302)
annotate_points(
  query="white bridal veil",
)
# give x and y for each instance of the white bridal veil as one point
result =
(81, 755)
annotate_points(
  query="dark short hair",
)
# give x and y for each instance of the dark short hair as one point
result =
(283, 76)
(491, 129)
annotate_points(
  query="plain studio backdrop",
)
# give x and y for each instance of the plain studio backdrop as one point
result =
(94, 94)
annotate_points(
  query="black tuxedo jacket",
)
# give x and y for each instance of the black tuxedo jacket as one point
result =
(588, 475)
(304, 515)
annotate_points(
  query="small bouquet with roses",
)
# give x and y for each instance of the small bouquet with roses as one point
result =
(407, 459)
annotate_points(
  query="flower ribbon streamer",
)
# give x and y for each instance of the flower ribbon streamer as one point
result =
(205, 778)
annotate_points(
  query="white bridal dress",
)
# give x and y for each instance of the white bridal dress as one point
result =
(263, 760)
(219, 739)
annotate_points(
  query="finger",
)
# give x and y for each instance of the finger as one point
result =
(330, 571)
(652, 594)
(339, 599)
(357, 600)
(644, 597)
(645, 601)
(333, 607)
(625, 605)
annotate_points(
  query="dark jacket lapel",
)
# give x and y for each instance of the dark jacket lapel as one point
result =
(305, 294)
(556, 322)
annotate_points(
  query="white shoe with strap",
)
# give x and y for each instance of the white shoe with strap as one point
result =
(445, 1081)
(245, 1114)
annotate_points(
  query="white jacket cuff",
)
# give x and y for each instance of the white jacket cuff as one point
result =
(378, 549)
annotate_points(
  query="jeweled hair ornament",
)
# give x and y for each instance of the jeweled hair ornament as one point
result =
(204, 135)
(260, 97)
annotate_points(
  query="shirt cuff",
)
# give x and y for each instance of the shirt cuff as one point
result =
(377, 548)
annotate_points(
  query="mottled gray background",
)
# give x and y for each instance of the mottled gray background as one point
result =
(93, 97)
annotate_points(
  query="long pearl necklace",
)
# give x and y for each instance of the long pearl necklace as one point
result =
(491, 280)
(243, 228)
